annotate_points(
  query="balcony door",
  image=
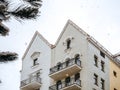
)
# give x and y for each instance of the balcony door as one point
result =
(59, 66)
(67, 81)
(77, 59)
(77, 78)
(59, 85)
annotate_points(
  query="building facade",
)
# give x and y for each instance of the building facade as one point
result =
(115, 73)
(36, 64)
(75, 62)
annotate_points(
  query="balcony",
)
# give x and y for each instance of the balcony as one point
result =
(67, 68)
(72, 85)
(31, 83)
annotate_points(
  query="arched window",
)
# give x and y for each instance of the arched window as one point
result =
(68, 43)
(77, 59)
(67, 62)
(59, 66)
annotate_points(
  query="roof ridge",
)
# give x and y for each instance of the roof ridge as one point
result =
(35, 34)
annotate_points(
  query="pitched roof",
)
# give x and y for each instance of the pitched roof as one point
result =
(69, 22)
(33, 38)
(90, 39)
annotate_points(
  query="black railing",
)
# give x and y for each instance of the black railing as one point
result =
(30, 80)
(65, 84)
(64, 65)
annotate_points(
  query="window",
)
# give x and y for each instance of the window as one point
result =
(115, 73)
(35, 61)
(95, 60)
(77, 59)
(59, 66)
(96, 79)
(67, 81)
(59, 85)
(67, 62)
(102, 54)
(68, 43)
(102, 84)
(102, 66)
(77, 76)
(37, 89)
(115, 89)
(38, 74)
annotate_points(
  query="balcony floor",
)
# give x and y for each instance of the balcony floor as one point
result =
(72, 87)
(66, 71)
(31, 86)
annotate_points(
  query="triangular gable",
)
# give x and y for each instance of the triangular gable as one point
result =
(69, 22)
(90, 39)
(33, 38)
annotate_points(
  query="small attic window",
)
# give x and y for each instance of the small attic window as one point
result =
(68, 43)
(35, 61)
(102, 54)
(35, 57)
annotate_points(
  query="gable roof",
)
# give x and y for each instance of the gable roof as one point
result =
(33, 38)
(90, 39)
(69, 22)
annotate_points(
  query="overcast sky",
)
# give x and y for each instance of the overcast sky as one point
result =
(99, 18)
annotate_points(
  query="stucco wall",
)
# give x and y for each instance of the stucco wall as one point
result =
(114, 81)
(44, 62)
(78, 46)
(91, 68)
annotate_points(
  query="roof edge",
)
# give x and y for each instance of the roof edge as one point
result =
(34, 36)
(100, 47)
(75, 26)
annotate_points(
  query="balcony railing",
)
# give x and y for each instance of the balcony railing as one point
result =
(72, 85)
(32, 82)
(59, 71)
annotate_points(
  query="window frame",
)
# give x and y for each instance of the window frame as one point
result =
(95, 79)
(102, 84)
(114, 73)
(102, 66)
(35, 61)
(96, 60)
(102, 54)
(115, 89)
(68, 42)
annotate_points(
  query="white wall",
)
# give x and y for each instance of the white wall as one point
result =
(91, 68)
(38, 45)
(80, 45)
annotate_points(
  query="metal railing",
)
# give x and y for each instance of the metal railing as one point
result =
(30, 80)
(64, 65)
(65, 84)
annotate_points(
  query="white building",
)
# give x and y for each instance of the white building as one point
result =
(75, 62)
(36, 64)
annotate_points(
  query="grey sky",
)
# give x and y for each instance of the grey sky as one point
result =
(99, 18)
